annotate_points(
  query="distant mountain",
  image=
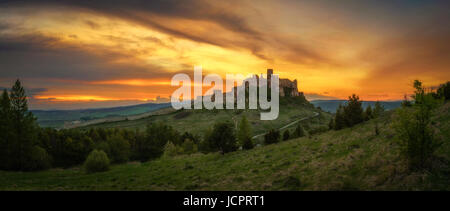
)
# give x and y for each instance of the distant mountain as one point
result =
(332, 105)
(57, 118)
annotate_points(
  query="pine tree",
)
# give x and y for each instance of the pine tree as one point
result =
(379, 109)
(353, 112)
(244, 134)
(5, 130)
(368, 114)
(299, 131)
(339, 122)
(24, 129)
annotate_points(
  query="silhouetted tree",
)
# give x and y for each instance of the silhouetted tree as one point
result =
(444, 91)
(5, 131)
(353, 111)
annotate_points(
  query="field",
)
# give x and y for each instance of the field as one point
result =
(349, 159)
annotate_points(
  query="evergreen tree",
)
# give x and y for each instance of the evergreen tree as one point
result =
(24, 129)
(299, 131)
(353, 111)
(5, 130)
(244, 134)
(379, 109)
(339, 122)
(368, 114)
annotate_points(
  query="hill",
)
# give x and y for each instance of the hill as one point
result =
(57, 118)
(349, 159)
(332, 105)
(292, 109)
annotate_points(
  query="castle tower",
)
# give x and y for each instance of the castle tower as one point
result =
(269, 76)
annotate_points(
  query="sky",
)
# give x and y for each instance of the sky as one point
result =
(80, 54)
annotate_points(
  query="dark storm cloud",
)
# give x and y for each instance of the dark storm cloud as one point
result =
(223, 13)
(29, 91)
(38, 56)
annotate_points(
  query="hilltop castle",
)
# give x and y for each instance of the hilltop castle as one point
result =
(287, 87)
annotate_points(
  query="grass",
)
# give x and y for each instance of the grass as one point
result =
(350, 159)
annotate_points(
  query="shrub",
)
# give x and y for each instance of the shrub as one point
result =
(97, 161)
(189, 147)
(286, 135)
(273, 136)
(39, 159)
(170, 150)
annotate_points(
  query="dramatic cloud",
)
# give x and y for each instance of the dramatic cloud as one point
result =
(127, 51)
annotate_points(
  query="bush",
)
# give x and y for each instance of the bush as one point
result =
(189, 147)
(273, 136)
(286, 135)
(97, 161)
(170, 150)
(39, 159)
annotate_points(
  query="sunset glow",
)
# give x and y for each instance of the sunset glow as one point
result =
(78, 52)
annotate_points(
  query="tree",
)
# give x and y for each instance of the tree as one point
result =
(119, 149)
(244, 134)
(152, 144)
(273, 136)
(222, 138)
(339, 121)
(413, 126)
(299, 131)
(353, 111)
(24, 129)
(379, 109)
(444, 91)
(368, 113)
(286, 135)
(5, 131)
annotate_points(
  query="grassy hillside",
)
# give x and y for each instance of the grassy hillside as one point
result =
(198, 121)
(349, 159)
